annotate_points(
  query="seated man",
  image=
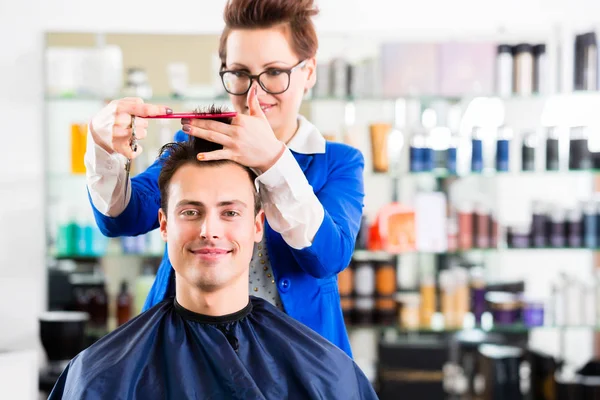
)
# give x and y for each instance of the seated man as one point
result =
(213, 340)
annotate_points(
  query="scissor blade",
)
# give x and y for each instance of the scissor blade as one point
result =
(127, 168)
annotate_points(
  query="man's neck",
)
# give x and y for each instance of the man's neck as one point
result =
(215, 303)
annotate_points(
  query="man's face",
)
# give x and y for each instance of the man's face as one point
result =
(210, 227)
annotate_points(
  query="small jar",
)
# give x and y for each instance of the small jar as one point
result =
(364, 278)
(465, 226)
(539, 222)
(451, 156)
(346, 282)
(482, 226)
(502, 149)
(477, 293)
(590, 224)
(505, 307)
(528, 151)
(417, 153)
(578, 67)
(385, 279)
(520, 237)
(552, 149)
(385, 310)
(428, 301)
(364, 310)
(540, 69)
(379, 146)
(494, 230)
(409, 310)
(476, 150)
(452, 226)
(447, 298)
(580, 157)
(137, 84)
(429, 155)
(590, 62)
(557, 227)
(575, 227)
(340, 81)
(533, 312)
(574, 301)
(462, 296)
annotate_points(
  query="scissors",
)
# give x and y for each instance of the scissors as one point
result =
(133, 144)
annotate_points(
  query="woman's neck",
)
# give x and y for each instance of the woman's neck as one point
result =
(286, 132)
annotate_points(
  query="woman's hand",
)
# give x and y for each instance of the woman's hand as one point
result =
(111, 127)
(249, 140)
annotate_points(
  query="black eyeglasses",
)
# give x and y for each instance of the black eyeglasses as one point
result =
(272, 80)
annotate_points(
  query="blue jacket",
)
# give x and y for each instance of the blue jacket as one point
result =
(306, 278)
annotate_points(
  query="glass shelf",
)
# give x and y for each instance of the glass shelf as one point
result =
(504, 329)
(162, 99)
(359, 255)
(492, 174)
(65, 176)
(433, 174)
(423, 97)
(95, 257)
(368, 255)
(157, 99)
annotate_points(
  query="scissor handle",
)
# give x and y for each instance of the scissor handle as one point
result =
(133, 142)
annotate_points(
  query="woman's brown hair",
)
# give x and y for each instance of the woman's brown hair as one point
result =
(296, 15)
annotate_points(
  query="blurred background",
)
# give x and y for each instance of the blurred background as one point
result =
(475, 272)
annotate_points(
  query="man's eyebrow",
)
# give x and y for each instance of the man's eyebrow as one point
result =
(189, 203)
(223, 203)
(232, 203)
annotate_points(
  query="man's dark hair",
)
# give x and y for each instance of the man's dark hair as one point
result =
(177, 154)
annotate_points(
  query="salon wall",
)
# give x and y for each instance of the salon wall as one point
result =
(22, 27)
(155, 52)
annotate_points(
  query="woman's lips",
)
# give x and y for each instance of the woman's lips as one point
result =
(266, 107)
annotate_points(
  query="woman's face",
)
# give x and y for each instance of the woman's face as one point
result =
(258, 50)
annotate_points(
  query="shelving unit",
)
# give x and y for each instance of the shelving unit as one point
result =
(535, 266)
(347, 118)
(516, 329)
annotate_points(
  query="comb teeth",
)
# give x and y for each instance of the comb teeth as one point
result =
(212, 109)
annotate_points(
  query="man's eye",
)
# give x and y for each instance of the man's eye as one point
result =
(231, 213)
(190, 213)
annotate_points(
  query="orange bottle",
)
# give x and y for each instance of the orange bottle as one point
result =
(78, 143)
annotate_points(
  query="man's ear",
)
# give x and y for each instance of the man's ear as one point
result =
(259, 226)
(162, 221)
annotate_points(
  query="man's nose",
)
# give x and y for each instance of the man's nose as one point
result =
(211, 227)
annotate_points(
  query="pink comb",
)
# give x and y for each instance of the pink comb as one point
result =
(196, 115)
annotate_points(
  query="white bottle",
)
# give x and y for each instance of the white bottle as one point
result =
(504, 71)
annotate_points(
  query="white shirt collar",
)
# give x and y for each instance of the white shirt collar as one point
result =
(308, 139)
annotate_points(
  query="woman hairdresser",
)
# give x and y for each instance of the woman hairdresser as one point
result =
(312, 191)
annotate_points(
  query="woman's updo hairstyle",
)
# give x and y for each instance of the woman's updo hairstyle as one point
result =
(295, 15)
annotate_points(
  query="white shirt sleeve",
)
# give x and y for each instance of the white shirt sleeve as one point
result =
(105, 176)
(290, 204)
